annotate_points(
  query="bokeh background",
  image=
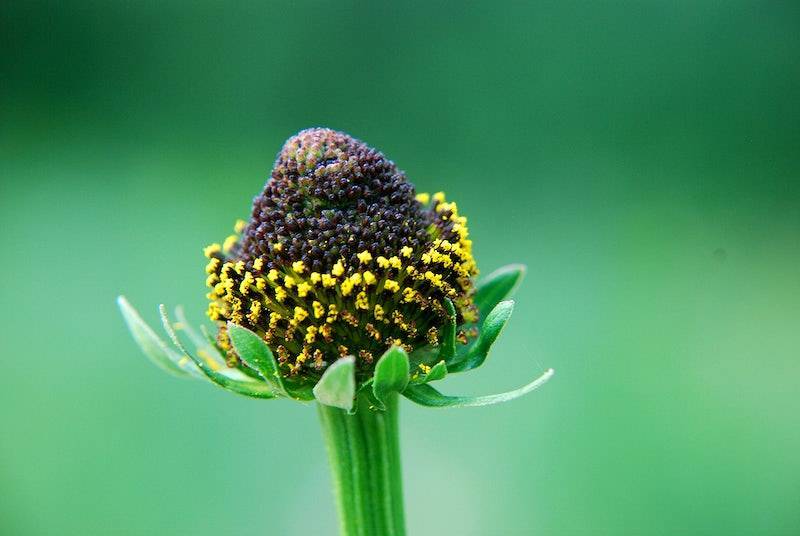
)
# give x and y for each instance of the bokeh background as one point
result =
(642, 158)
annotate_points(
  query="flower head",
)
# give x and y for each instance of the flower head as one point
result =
(340, 257)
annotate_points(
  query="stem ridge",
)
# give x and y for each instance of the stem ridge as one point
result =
(364, 454)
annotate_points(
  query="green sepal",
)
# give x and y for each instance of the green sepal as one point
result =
(152, 345)
(253, 389)
(299, 391)
(447, 344)
(337, 387)
(391, 375)
(496, 286)
(425, 395)
(490, 330)
(255, 353)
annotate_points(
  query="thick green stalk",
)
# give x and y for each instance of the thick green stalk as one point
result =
(364, 454)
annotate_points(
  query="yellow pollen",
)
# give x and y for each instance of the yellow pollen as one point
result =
(424, 198)
(212, 265)
(298, 266)
(300, 314)
(338, 269)
(255, 311)
(280, 294)
(406, 251)
(332, 313)
(439, 196)
(239, 226)
(311, 334)
(328, 281)
(391, 285)
(303, 289)
(229, 242)
(383, 262)
(365, 257)
(395, 262)
(239, 267)
(361, 301)
(319, 310)
(258, 264)
(273, 275)
(408, 294)
(288, 281)
(315, 278)
(347, 287)
(369, 278)
(210, 250)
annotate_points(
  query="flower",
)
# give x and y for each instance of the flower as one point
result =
(344, 281)
(340, 257)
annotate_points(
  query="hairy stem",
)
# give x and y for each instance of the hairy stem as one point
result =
(364, 454)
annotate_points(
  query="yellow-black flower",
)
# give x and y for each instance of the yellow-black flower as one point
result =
(341, 257)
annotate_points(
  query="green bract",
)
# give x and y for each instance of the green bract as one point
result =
(256, 373)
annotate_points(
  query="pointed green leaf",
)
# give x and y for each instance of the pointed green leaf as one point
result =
(495, 287)
(337, 387)
(391, 374)
(425, 395)
(492, 326)
(256, 354)
(151, 344)
(447, 346)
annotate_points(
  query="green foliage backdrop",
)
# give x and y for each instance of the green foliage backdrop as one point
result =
(640, 157)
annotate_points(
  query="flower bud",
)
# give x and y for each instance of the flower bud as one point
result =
(340, 257)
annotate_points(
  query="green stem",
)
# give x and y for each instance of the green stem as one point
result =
(364, 453)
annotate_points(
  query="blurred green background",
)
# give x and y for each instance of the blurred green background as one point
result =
(640, 157)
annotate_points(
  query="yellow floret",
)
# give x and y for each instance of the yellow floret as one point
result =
(298, 266)
(338, 269)
(369, 278)
(406, 251)
(423, 198)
